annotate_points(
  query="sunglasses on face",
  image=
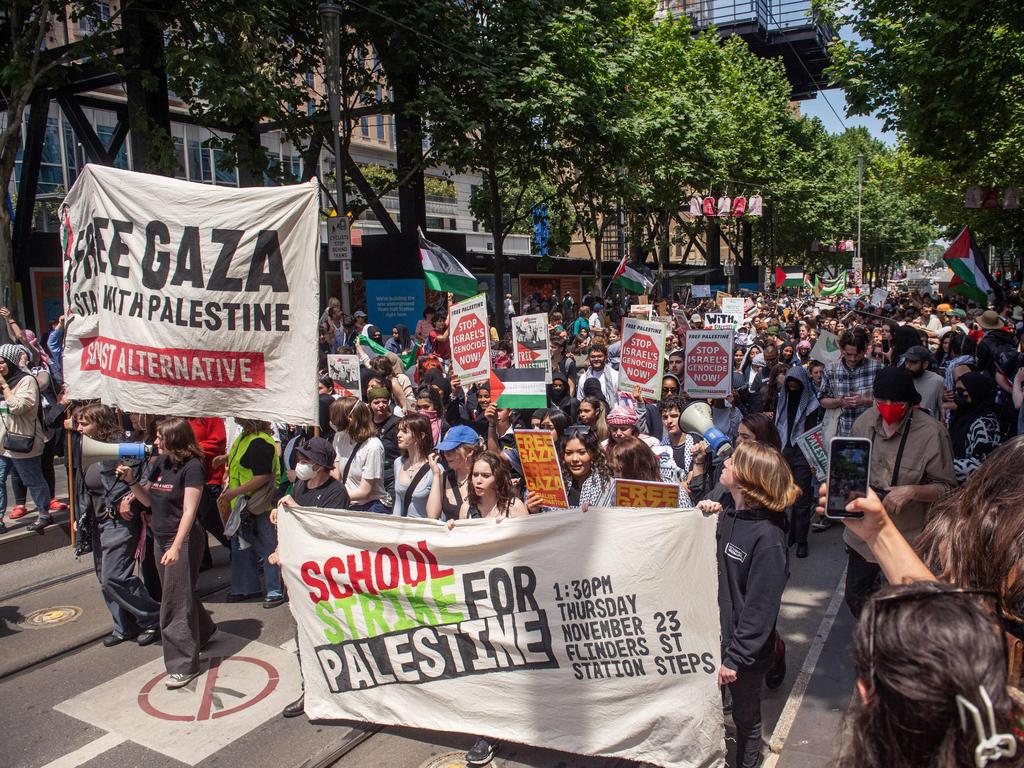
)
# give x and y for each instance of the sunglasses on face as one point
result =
(577, 429)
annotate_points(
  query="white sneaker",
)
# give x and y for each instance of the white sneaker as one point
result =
(180, 680)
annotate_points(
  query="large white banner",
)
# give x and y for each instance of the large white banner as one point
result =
(595, 633)
(191, 300)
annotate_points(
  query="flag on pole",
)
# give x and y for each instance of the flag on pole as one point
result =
(834, 288)
(630, 279)
(443, 272)
(970, 275)
(813, 284)
(376, 350)
(789, 277)
(518, 388)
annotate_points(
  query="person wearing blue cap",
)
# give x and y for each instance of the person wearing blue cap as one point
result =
(450, 487)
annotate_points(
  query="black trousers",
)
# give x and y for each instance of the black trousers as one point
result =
(746, 713)
(800, 512)
(862, 580)
(185, 625)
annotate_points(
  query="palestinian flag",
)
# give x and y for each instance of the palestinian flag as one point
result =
(789, 277)
(443, 272)
(519, 388)
(834, 288)
(376, 350)
(970, 275)
(631, 280)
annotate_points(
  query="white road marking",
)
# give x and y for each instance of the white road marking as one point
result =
(84, 754)
(796, 695)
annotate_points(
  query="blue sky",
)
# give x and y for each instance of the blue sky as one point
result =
(819, 108)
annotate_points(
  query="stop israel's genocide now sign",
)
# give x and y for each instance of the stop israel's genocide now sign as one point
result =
(642, 359)
(470, 340)
(708, 370)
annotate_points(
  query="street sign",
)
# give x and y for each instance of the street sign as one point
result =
(470, 340)
(708, 371)
(339, 240)
(346, 271)
(642, 360)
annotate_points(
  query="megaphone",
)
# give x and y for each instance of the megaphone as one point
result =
(696, 417)
(94, 450)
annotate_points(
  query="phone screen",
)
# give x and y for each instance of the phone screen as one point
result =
(848, 462)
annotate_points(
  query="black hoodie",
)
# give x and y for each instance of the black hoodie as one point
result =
(566, 402)
(753, 567)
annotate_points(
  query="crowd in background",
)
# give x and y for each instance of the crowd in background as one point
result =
(937, 385)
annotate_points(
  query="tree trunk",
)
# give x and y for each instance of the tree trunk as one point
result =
(250, 174)
(146, 90)
(497, 231)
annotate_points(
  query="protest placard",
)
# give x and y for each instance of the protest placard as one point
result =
(708, 370)
(812, 445)
(826, 348)
(404, 622)
(879, 296)
(682, 322)
(640, 493)
(721, 321)
(735, 306)
(470, 340)
(189, 299)
(344, 372)
(530, 343)
(642, 358)
(541, 469)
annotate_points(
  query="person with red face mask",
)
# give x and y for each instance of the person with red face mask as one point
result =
(911, 469)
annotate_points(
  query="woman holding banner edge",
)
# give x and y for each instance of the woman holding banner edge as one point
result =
(753, 566)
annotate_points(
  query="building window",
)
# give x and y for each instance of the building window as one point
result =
(435, 222)
(199, 162)
(452, 224)
(179, 153)
(226, 177)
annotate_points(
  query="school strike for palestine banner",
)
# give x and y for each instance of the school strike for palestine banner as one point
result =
(189, 299)
(595, 633)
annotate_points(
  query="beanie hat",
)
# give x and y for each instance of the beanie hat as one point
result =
(374, 392)
(897, 385)
(623, 416)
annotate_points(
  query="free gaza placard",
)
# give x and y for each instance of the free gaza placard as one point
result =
(191, 300)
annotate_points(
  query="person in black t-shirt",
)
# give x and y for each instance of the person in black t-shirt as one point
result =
(314, 487)
(172, 491)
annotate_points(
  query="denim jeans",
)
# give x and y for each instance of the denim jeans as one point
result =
(31, 473)
(245, 577)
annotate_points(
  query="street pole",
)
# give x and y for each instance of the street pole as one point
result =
(330, 18)
(860, 186)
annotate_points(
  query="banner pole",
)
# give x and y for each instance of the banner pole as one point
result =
(71, 487)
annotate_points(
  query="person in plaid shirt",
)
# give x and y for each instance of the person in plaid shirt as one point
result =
(849, 381)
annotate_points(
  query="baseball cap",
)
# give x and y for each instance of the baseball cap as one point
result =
(695, 318)
(317, 450)
(458, 435)
(359, 313)
(917, 354)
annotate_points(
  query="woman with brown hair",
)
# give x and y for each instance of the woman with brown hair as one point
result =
(360, 456)
(172, 490)
(490, 490)
(412, 473)
(593, 412)
(753, 569)
(632, 459)
(776, 381)
(114, 529)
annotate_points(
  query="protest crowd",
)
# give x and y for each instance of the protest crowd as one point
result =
(935, 383)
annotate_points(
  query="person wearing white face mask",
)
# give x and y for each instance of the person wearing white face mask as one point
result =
(313, 487)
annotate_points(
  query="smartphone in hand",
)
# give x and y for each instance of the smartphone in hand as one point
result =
(849, 461)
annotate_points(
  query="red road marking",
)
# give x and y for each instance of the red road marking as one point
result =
(206, 701)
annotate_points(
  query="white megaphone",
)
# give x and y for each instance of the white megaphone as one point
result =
(696, 417)
(94, 450)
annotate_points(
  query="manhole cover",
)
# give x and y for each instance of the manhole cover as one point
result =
(446, 760)
(51, 617)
